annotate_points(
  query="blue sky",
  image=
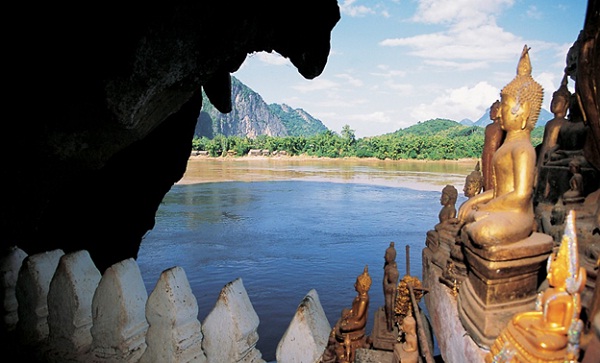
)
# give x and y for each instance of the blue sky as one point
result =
(397, 62)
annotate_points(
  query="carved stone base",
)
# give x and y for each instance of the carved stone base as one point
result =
(508, 272)
(485, 322)
(382, 338)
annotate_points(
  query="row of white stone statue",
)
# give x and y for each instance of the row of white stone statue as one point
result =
(62, 308)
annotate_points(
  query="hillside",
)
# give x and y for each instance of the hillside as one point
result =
(252, 117)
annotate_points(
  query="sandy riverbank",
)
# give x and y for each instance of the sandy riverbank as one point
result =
(413, 174)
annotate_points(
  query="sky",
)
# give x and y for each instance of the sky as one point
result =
(394, 63)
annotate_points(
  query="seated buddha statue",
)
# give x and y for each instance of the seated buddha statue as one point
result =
(571, 138)
(504, 213)
(575, 192)
(552, 331)
(559, 107)
(350, 329)
(448, 211)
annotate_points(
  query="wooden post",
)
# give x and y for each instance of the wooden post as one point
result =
(407, 260)
(422, 338)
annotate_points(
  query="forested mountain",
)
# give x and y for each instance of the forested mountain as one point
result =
(297, 121)
(252, 117)
(439, 127)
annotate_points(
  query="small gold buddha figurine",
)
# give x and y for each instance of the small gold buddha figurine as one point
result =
(504, 214)
(349, 333)
(551, 332)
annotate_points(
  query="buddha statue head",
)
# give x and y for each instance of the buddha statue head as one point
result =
(521, 99)
(390, 253)
(495, 111)
(449, 195)
(473, 182)
(561, 98)
(363, 281)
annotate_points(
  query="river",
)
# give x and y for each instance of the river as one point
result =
(286, 226)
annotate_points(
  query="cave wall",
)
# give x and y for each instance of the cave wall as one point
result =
(105, 97)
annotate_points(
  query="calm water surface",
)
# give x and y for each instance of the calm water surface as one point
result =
(289, 228)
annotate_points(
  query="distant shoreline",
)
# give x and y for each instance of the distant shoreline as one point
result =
(307, 157)
(207, 169)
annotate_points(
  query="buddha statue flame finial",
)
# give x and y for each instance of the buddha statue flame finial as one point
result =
(525, 89)
(570, 257)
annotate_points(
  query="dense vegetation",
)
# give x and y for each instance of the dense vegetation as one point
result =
(431, 140)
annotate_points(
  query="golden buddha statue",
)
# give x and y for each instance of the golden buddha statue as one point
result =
(349, 333)
(551, 332)
(504, 213)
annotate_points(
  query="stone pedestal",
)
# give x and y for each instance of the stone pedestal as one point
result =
(32, 294)
(10, 264)
(502, 280)
(373, 356)
(383, 339)
(119, 320)
(70, 307)
(306, 337)
(174, 334)
(230, 330)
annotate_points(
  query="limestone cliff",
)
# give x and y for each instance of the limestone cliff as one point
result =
(250, 116)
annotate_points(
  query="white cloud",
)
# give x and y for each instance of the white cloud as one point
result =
(459, 103)
(349, 8)
(273, 58)
(456, 11)
(376, 117)
(469, 66)
(471, 38)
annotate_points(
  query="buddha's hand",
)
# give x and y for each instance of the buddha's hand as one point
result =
(465, 210)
